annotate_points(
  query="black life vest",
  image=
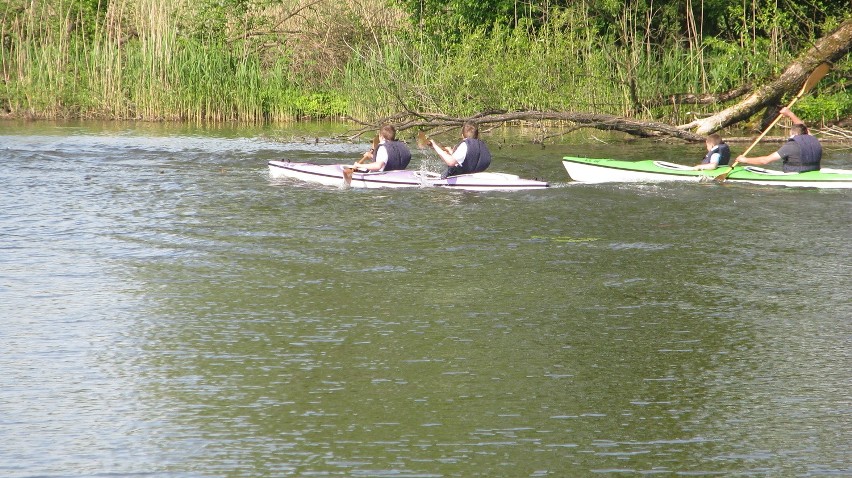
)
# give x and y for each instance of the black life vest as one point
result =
(477, 159)
(398, 155)
(724, 154)
(810, 155)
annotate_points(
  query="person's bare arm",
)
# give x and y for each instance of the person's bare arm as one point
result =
(789, 113)
(759, 160)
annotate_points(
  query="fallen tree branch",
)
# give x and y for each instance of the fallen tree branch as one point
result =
(836, 133)
(697, 99)
(430, 121)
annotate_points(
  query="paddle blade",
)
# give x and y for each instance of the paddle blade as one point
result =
(422, 140)
(722, 177)
(814, 78)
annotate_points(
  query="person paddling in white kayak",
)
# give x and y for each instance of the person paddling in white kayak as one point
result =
(389, 154)
(470, 156)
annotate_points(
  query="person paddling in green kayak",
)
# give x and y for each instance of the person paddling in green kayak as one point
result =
(470, 156)
(389, 155)
(718, 153)
(802, 152)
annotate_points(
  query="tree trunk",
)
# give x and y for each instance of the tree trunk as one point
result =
(827, 49)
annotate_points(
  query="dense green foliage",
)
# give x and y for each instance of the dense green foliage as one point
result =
(276, 60)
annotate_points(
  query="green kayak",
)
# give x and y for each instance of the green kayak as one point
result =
(589, 170)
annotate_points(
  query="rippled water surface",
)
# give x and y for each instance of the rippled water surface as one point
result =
(168, 310)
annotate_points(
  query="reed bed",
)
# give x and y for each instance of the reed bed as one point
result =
(566, 66)
(140, 59)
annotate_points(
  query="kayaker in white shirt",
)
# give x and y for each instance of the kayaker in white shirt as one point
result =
(390, 154)
(470, 156)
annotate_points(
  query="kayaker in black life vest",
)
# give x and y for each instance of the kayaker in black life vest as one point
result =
(718, 153)
(802, 152)
(470, 156)
(390, 154)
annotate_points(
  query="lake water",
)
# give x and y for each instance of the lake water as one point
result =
(168, 310)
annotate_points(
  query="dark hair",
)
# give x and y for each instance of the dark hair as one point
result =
(388, 132)
(714, 139)
(470, 130)
(798, 128)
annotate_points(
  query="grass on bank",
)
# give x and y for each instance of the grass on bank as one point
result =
(150, 70)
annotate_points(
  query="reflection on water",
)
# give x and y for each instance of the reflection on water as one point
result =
(167, 309)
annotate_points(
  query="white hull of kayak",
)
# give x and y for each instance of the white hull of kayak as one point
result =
(594, 174)
(332, 175)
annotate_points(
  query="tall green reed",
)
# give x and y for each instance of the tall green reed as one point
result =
(568, 64)
(133, 60)
(134, 64)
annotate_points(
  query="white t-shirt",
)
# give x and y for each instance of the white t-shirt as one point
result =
(460, 153)
(382, 156)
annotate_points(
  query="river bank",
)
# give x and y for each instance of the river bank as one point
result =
(224, 61)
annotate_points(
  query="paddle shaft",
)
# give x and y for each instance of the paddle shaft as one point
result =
(771, 125)
(347, 172)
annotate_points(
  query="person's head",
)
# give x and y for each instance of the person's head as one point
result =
(798, 128)
(470, 130)
(388, 132)
(713, 140)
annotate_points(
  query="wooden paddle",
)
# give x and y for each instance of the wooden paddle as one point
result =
(812, 80)
(423, 141)
(347, 172)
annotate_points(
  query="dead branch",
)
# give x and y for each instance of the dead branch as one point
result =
(697, 99)
(835, 133)
(433, 121)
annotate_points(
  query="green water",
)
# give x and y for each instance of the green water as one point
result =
(168, 310)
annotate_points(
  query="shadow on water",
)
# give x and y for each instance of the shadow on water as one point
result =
(170, 310)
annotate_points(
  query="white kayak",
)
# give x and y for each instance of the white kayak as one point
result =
(332, 175)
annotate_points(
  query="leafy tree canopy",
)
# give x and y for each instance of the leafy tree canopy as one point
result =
(445, 20)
